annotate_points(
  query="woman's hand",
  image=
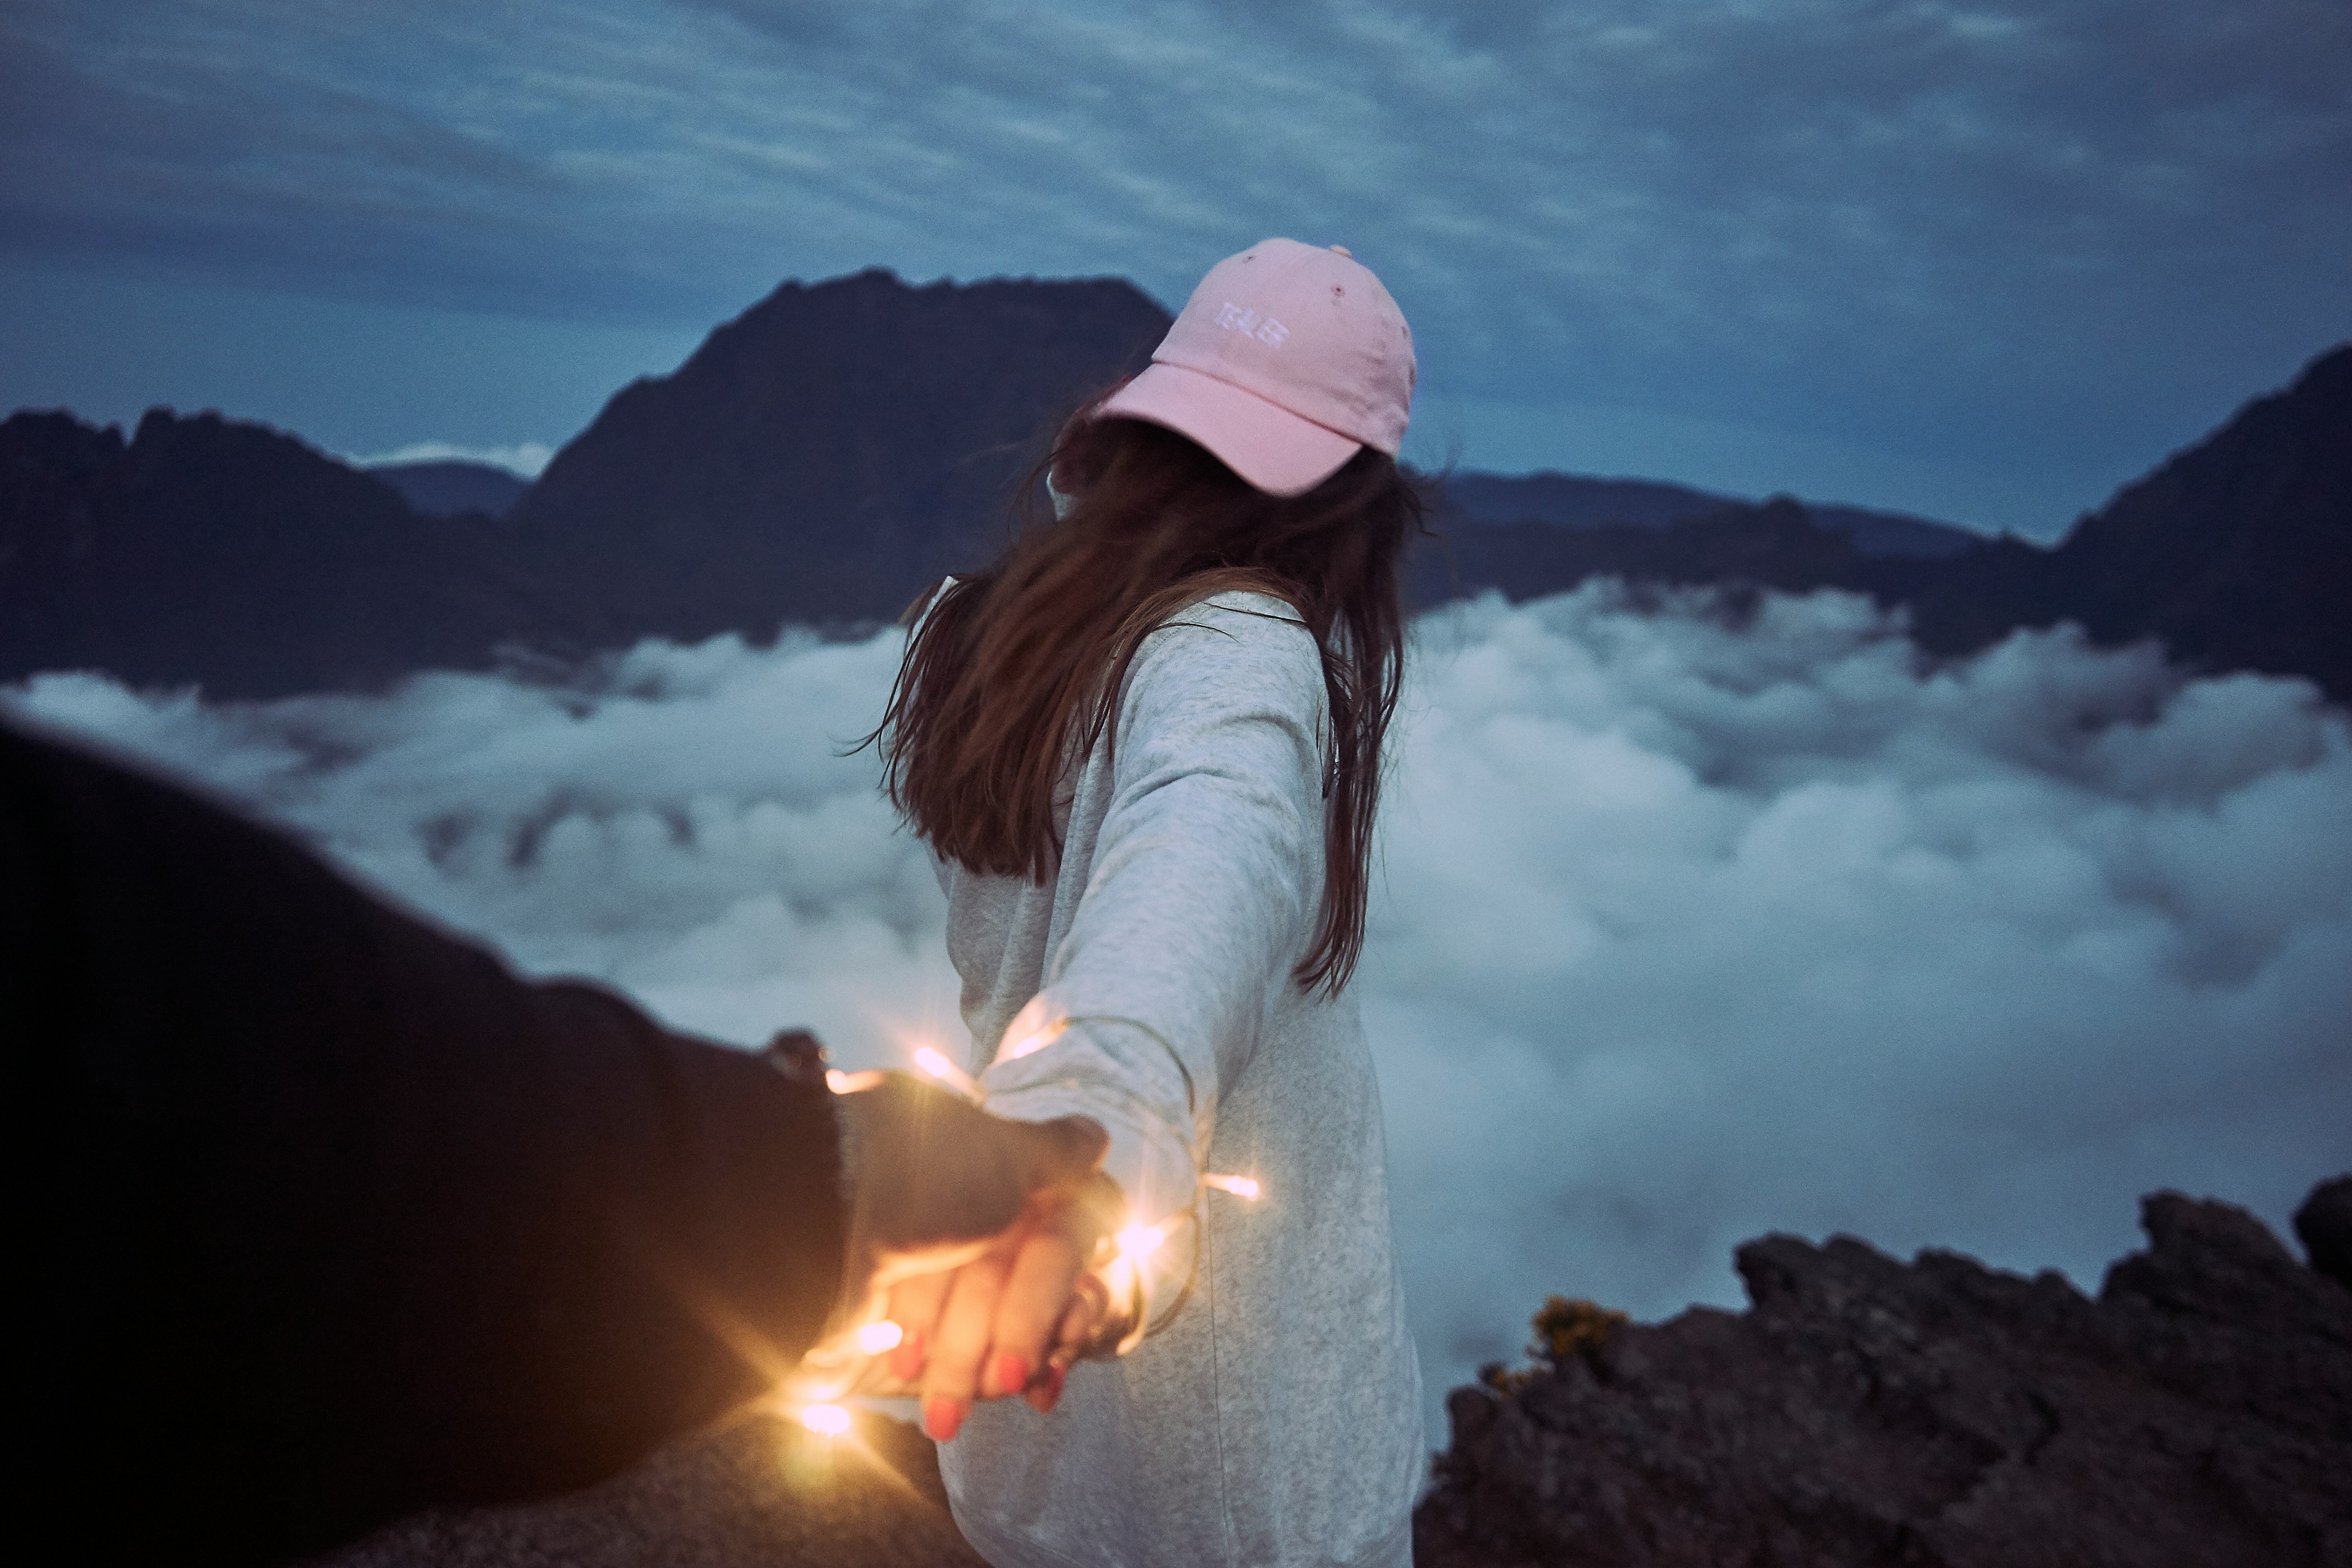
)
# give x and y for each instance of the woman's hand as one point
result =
(1010, 1320)
(976, 1230)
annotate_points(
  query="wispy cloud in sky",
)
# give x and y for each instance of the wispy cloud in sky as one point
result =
(2018, 247)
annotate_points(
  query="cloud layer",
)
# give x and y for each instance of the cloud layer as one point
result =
(1692, 925)
(1941, 232)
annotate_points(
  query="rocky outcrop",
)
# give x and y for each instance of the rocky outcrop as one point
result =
(2324, 1224)
(1935, 1413)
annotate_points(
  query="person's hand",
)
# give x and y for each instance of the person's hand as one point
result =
(1011, 1320)
(975, 1231)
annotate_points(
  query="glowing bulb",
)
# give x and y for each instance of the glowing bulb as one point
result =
(876, 1337)
(836, 1080)
(1035, 1039)
(1140, 1241)
(948, 1073)
(1240, 1186)
(1033, 1028)
(824, 1420)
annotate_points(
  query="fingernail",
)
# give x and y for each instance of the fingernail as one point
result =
(943, 1417)
(1048, 1391)
(1012, 1374)
(907, 1360)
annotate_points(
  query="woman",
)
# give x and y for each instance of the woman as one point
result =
(1145, 747)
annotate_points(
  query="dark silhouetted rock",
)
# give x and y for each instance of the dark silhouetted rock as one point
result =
(447, 489)
(827, 454)
(2325, 1224)
(208, 551)
(1938, 1412)
(758, 1494)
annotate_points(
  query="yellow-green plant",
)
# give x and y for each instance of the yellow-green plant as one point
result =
(1565, 1328)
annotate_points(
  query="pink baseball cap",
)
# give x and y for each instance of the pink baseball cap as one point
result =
(1287, 361)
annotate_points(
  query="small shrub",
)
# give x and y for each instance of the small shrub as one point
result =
(1566, 1328)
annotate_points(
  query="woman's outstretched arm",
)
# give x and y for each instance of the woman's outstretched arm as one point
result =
(1201, 836)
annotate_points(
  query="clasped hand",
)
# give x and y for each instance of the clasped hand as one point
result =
(974, 1234)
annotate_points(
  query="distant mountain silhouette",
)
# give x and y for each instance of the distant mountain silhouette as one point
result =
(1575, 501)
(839, 446)
(2236, 552)
(827, 453)
(230, 555)
(1775, 545)
(818, 460)
(446, 489)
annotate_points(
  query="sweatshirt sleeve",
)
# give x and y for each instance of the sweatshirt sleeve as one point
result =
(1205, 882)
(341, 1218)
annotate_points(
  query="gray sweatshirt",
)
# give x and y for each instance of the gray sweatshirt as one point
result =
(1272, 1416)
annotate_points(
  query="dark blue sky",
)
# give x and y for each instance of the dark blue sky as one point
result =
(1983, 262)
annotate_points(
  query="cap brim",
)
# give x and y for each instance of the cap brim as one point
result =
(1268, 445)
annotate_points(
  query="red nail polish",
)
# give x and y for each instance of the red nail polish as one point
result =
(1055, 1378)
(907, 1360)
(1012, 1374)
(942, 1418)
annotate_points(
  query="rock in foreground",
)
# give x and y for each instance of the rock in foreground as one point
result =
(1866, 1411)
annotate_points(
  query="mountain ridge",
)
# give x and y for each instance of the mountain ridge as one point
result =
(839, 445)
(774, 462)
(2236, 552)
(209, 550)
(1588, 500)
(444, 486)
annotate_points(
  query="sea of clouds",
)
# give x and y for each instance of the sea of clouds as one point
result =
(1694, 923)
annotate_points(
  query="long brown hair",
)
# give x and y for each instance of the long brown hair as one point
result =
(1017, 669)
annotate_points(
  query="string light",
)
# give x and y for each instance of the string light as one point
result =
(825, 1420)
(947, 1072)
(830, 1370)
(1035, 1040)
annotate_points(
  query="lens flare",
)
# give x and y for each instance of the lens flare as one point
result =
(948, 1073)
(1240, 1186)
(824, 1420)
(1140, 1241)
(876, 1337)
